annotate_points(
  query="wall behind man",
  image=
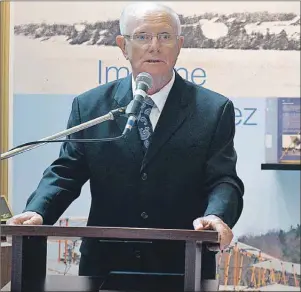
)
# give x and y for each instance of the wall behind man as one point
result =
(246, 51)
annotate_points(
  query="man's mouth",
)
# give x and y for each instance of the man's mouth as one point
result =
(153, 61)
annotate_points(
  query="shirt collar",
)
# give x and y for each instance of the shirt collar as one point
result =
(160, 97)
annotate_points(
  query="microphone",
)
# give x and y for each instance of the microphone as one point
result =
(144, 82)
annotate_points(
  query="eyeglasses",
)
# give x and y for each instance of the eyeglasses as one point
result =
(146, 38)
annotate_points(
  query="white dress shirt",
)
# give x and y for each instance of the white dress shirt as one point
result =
(159, 99)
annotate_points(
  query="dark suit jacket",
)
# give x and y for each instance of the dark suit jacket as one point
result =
(189, 171)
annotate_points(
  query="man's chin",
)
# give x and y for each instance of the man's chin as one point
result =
(155, 71)
(154, 67)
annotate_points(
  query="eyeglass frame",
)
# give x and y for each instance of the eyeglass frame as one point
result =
(152, 34)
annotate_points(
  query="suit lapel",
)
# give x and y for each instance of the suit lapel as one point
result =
(172, 117)
(122, 97)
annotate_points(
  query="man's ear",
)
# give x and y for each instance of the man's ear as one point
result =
(120, 41)
(181, 42)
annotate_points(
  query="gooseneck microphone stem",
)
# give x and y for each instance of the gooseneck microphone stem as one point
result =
(143, 84)
(31, 145)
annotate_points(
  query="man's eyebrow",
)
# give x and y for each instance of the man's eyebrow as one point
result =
(148, 32)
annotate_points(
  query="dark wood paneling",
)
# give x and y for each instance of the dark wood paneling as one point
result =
(29, 262)
(6, 261)
(29, 274)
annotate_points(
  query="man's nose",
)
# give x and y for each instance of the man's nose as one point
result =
(154, 44)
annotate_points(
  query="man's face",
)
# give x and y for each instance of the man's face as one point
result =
(149, 53)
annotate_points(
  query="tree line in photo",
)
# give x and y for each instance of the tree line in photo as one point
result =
(105, 32)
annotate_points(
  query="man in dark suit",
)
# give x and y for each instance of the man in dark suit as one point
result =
(176, 169)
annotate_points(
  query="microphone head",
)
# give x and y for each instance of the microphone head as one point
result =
(145, 78)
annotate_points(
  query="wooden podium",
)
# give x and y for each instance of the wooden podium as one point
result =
(29, 273)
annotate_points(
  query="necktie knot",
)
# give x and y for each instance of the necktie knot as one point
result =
(148, 101)
(146, 107)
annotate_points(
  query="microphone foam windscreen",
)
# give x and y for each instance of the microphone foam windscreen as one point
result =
(145, 78)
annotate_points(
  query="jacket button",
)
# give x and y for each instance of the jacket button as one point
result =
(137, 254)
(144, 176)
(144, 215)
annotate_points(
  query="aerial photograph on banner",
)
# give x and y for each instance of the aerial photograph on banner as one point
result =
(242, 49)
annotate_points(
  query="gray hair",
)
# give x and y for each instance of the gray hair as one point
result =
(142, 8)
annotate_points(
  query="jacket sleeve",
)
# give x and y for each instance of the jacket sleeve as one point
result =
(224, 188)
(62, 181)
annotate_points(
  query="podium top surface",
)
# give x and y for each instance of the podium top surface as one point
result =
(110, 232)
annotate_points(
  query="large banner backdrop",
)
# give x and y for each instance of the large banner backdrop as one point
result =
(247, 51)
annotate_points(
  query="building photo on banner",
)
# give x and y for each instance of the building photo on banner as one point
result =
(246, 51)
